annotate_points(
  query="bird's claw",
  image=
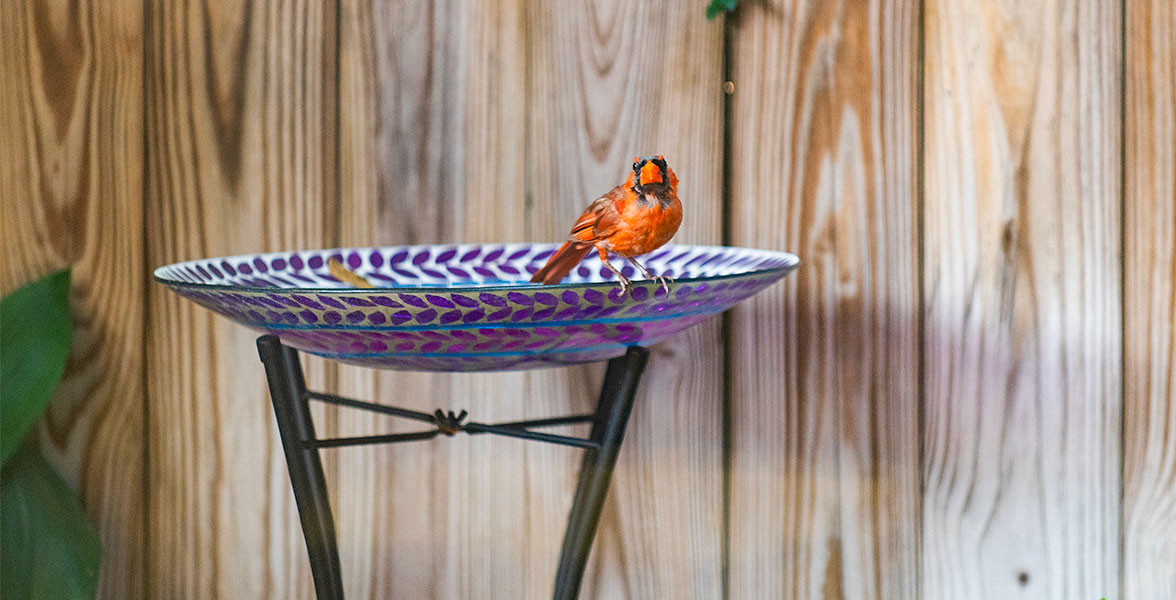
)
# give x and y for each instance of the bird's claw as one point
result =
(626, 286)
(664, 281)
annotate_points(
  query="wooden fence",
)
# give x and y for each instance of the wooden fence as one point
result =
(967, 391)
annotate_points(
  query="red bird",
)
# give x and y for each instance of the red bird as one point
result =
(633, 219)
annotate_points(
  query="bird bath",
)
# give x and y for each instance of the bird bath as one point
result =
(463, 308)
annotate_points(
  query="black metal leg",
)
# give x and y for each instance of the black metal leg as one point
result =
(288, 392)
(608, 429)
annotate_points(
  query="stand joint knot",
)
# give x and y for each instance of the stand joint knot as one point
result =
(449, 423)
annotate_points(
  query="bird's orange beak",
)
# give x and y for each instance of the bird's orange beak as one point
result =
(650, 174)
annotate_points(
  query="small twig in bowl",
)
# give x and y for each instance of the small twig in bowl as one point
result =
(338, 271)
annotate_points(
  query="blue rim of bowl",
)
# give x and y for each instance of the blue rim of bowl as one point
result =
(793, 263)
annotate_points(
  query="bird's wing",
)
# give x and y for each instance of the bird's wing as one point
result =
(601, 218)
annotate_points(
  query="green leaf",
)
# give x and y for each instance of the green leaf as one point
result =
(35, 334)
(717, 6)
(47, 547)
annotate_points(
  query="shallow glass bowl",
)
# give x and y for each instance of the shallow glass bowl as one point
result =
(469, 307)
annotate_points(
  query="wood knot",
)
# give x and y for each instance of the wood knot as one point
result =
(1008, 236)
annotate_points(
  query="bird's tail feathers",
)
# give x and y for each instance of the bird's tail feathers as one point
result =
(561, 263)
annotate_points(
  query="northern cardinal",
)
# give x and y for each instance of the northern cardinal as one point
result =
(633, 219)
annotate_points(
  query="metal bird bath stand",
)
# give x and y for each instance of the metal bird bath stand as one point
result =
(466, 308)
(291, 402)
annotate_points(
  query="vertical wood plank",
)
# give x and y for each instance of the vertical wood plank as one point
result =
(824, 402)
(241, 139)
(515, 495)
(401, 154)
(71, 183)
(608, 81)
(1149, 503)
(452, 125)
(1022, 295)
(432, 145)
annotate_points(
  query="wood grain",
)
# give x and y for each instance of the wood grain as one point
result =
(400, 164)
(433, 130)
(71, 182)
(609, 81)
(824, 401)
(1149, 500)
(241, 139)
(147, 133)
(1023, 400)
(438, 115)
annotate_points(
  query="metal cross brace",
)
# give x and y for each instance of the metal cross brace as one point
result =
(449, 424)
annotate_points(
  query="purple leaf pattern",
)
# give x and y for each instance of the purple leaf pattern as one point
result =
(470, 307)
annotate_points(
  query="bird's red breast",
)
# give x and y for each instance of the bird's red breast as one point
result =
(632, 222)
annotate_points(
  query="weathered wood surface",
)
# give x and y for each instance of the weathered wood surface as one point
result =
(609, 81)
(1149, 369)
(71, 184)
(400, 99)
(979, 459)
(824, 400)
(241, 142)
(441, 139)
(1021, 441)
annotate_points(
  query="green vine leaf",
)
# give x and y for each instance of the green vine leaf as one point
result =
(35, 335)
(717, 6)
(49, 550)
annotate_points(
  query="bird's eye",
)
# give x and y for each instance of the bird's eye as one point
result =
(636, 166)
